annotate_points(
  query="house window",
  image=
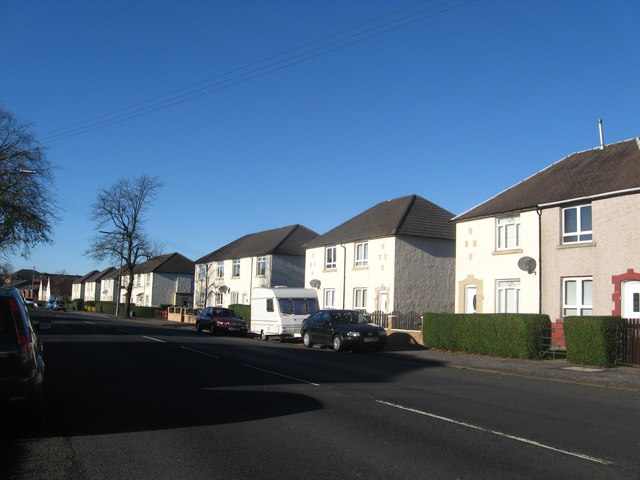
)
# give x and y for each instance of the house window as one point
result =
(576, 224)
(236, 268)
(234, 298)
(577, 296)
(220, 270)
(148, 279)
(362, 254)
(330, 258)
(508, 296)
(329, 298)
(218, 299)
(202, 271)
(360, 298)
(261, 268)
(508, 233)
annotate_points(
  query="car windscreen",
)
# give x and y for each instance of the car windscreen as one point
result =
(224, 312)
(348, 317)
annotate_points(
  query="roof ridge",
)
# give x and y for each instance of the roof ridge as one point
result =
(403, 218)
(292, 229)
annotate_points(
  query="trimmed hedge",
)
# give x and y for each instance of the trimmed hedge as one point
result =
(501, 334)
(593, 340)
(76, 305)
(147, 312)
(243, 310)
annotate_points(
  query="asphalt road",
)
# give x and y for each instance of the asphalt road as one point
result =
(135, 401)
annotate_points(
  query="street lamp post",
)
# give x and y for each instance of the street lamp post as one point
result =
(121, 253)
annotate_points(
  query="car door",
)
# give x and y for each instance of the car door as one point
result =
(324, 329)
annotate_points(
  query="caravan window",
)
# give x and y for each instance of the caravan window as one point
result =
(285, 305)
(269, 304)
(298, 306)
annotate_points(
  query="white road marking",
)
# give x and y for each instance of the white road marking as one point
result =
(495, 432)
(201, 353)
(154, 339)
(281, 375)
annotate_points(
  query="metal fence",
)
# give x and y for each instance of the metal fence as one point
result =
(630, 342)
(397, 320)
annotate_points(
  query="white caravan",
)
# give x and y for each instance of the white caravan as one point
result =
(279, 311)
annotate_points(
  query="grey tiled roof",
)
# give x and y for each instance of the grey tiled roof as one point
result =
(167, 263)
(86, 277)
(279, 241)
(585, 174)
(411, 215)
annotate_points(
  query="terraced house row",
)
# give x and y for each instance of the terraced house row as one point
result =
(561, 242)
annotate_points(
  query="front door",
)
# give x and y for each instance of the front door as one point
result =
(383, 298)
(470, 294)
(631, 299)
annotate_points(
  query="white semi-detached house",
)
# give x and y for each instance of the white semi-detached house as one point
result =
(162, 280)
(263, 259)
(93, 284)
(398, 256)
(563, 242)
(78, 286)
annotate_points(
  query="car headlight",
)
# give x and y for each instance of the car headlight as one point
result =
(353, 334)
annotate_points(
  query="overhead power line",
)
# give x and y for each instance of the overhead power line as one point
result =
(286, 59)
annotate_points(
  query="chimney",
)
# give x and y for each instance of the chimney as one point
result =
(601, 134)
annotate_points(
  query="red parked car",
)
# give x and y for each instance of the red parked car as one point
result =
(221, 320)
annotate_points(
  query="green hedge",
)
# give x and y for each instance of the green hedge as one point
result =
(76, 305)
(593, 340)
(243, 310)
(147, 312)
(109, 307)
(502, 334)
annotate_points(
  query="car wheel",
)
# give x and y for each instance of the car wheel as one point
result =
(264, 336)
(306, 339)
(337, 343)
(198, 327)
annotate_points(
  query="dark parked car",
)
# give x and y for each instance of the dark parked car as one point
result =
(343, 330)
(221, 320)
(21, 362)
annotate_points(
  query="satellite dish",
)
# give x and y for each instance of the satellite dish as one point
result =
(527, 264)
(315, 283)
(223, 289)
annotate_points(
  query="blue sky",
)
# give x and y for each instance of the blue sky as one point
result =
(453, 105)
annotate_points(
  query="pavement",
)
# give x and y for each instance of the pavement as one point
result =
(621, 378)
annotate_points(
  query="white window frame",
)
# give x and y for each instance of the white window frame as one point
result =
(580, 305)
(220, 270)
(234, 298)
(236, 269)
(329, 298)
(507, 291)
(581, 236)
(218, 299)
(330, 262)
(362, 254)
(202, 271)
(360, 298)
(261, 267)
(508, 232)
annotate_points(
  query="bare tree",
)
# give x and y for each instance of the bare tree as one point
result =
(27, 210)
(121, 210)
(6, 270)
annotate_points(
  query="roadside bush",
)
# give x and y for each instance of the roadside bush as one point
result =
(593, 340)
(243, 310)
(147, 312)
(75, 305)
(108, 307)
(503, 335)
